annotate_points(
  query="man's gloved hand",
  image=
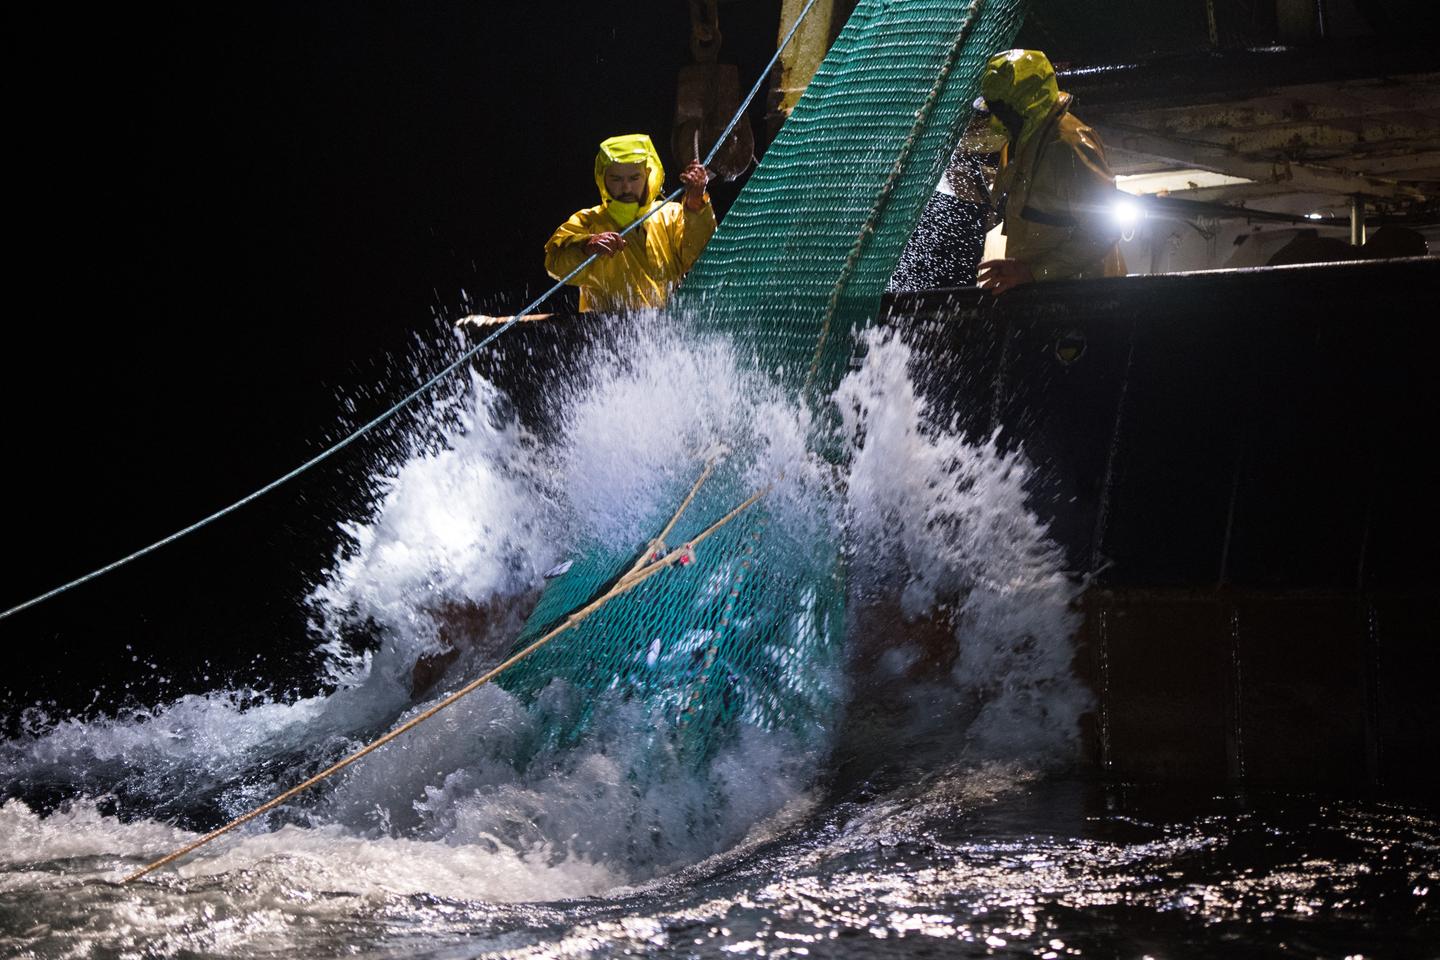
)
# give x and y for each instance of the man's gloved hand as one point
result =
(609, 243)
(694, 177)
(997, 276)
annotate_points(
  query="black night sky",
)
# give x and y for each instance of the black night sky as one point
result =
(225, 219)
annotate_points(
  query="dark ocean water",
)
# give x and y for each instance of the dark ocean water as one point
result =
(968, 861)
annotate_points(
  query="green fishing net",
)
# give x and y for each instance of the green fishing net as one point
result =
(750, 630)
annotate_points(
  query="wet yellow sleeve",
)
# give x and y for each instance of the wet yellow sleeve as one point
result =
(696, 229)
(565, 250)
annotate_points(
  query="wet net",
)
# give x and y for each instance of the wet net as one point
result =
(750, 631)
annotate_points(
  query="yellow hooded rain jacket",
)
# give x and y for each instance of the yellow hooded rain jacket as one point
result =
(657, 254)
(1058, 189)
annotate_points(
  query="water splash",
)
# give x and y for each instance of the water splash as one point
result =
(945, 525)
(476, 804)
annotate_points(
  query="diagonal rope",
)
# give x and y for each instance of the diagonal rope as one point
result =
(629, 582)
(418, 391)
(658, 542)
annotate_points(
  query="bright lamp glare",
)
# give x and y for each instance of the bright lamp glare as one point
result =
(1314, 216)
(1126, 214)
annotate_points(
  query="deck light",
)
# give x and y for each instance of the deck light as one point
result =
(1126, 213)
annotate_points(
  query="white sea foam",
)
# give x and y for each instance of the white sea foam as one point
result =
(941, 520)
(470, 519)
(477, 804)
(657, 407)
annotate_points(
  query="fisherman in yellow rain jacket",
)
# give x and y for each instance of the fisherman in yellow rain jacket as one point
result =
(640, 269)
(1058, 190)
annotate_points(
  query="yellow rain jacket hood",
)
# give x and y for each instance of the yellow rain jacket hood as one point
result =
(629, 148)
(657, 253)
(1020, 83)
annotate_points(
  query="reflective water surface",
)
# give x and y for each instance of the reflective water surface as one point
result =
(979, 861)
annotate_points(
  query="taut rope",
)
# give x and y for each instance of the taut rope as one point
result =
(632, 579)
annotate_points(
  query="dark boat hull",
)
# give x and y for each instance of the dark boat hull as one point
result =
(1238, 460)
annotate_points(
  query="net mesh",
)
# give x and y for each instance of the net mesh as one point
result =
(750, 631)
